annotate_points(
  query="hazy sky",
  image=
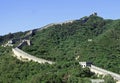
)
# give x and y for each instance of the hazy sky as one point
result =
(21, 15)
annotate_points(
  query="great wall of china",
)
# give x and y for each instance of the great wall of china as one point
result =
(23, 56)
(100, 71)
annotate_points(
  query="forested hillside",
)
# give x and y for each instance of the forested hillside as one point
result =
(7, 37)
(13, 70)
(91, 38)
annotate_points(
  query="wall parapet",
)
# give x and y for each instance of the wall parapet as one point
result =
(116, 76)
(27, 57)
(100, 71)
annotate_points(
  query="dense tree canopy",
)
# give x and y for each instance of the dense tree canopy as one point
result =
(87, 39)
(91, 38)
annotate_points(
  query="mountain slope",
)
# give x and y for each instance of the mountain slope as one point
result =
(90, 38)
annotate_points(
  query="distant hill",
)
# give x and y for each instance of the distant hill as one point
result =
(91, 38)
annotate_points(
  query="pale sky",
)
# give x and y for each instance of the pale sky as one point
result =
(22, 15)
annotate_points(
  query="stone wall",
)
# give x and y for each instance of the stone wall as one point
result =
(27, 57)
(44, 27)
(101, 71)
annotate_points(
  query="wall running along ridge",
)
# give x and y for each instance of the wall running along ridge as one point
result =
(21, 55)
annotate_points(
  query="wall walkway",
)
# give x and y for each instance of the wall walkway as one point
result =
(27, 57)
(101, 71)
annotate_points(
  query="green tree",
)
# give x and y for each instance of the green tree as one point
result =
(109, 79)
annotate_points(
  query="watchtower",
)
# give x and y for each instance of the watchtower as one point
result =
(85, 64)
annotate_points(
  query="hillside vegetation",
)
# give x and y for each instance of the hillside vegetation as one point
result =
(13, 70)
(90, 38)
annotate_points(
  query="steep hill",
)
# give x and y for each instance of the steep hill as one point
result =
(91, 38)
